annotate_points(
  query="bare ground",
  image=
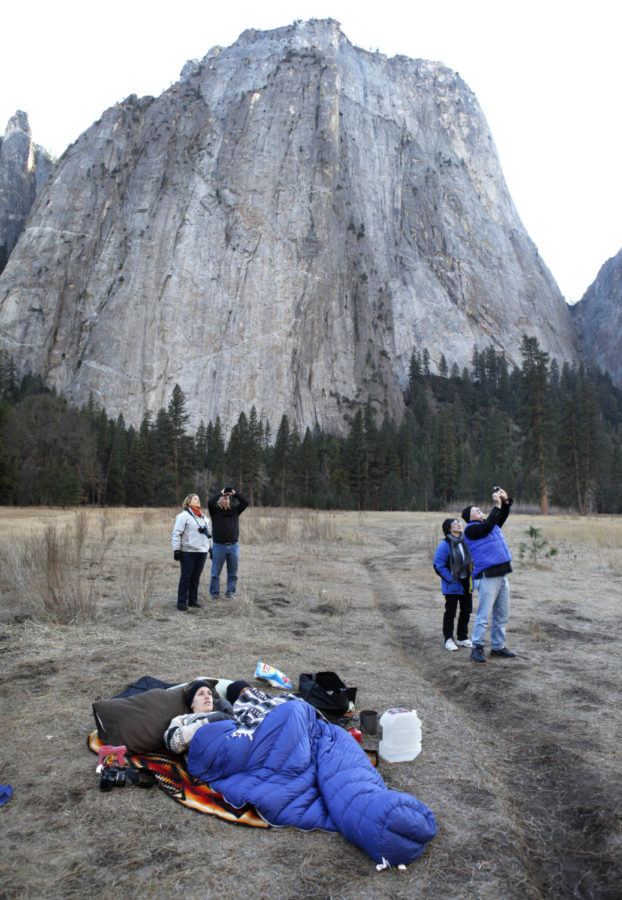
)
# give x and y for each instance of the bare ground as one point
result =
(520, 760)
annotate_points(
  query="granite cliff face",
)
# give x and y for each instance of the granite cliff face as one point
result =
(283, 227)
(24, 169)
(598, 316)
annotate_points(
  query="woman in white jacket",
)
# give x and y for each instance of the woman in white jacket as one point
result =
(191, 534)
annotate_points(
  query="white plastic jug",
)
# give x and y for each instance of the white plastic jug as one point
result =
(401, 735)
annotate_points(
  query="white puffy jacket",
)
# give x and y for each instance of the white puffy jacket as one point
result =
(186, 535)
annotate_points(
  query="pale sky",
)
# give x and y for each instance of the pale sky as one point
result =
(545, 72)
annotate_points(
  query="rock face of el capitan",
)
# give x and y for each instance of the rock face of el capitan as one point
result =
(24, 169)
(598, 317)
(282, 227)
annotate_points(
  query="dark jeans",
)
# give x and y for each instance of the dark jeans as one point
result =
(191, 568)
(451, 604)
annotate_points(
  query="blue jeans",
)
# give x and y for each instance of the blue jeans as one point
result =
(221, 553)
(493, 593)
(191, 568)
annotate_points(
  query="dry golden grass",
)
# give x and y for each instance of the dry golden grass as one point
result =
(520, 759)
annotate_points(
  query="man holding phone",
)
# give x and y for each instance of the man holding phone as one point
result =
(491, 567)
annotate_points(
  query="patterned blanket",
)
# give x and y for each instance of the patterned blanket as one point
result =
(173, 778)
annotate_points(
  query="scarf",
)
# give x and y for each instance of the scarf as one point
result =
(460, 563)
(197, 512)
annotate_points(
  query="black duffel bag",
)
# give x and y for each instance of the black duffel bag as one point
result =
(327, 693)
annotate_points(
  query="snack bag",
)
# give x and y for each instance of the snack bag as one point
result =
(273, 676)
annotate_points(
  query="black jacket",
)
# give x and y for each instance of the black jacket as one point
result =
(226, 522)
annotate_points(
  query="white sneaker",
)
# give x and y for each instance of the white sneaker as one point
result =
(449, 644)
(465, 643)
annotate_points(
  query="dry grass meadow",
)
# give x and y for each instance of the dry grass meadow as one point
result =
(520, 760)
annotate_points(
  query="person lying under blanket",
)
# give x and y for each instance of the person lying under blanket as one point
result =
(297, 769)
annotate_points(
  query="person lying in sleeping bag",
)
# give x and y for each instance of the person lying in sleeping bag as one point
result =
(298, 769)
(204, 708)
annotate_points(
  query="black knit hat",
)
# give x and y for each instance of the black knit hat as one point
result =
(446, 526)
(466, 513)
(194, 687)
(235, 689)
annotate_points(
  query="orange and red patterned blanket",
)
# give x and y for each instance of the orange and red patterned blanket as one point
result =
(177, 783)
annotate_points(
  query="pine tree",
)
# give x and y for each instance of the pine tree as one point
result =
(357, 461)
(178, 418)
(139, 471)
(280, 460)
(216, 454)
(165, 484)
(580, 445)
(308, 468)
(537, 417)
(446, 457)
(237, 452)
(116, 463)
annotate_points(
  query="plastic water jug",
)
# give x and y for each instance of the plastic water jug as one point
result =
(401, 735)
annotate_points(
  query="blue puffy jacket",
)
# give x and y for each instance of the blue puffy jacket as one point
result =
(488, 551)
(302, 771)
(441, 567)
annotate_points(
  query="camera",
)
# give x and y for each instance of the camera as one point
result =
(203, 530)
(112, 776)
(496, 489)
(141, 778)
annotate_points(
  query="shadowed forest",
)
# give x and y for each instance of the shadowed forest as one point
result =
(550, 434)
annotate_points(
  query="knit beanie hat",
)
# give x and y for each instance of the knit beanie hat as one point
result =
(446, 526)
(234, 690)
(466, 513)
(194, 687)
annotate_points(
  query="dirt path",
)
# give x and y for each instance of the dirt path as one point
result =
(551, 768)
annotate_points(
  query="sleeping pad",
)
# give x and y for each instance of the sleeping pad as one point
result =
(301, 771)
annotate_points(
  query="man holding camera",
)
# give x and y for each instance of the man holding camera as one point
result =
(225, 509)
(491, 566)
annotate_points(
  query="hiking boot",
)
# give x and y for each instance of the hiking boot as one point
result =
(182, 607)
(449, 644)
(503, 652)
(477, 653)
(465, 643)
(195, 605)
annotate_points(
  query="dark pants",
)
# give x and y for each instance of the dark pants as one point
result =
(191, 568)
(451, 604)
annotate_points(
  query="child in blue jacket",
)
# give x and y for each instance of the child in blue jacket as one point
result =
(452, 562)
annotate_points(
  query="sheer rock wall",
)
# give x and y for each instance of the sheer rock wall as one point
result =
(282, 227)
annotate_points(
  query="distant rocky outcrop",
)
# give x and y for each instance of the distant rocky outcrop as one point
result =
(24, 169)
(598, 316)
(283, 227)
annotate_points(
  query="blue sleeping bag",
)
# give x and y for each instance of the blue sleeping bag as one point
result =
(301, 771)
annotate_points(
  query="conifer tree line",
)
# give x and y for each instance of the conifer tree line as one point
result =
(551, 435)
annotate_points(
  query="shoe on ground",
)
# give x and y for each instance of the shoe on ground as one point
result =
(503, 652)
(182, 607)
(477, 653)
(449, 644)
(229, 596)
(465, 643)
(195, 605)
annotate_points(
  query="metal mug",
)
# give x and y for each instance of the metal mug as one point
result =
(369, 721)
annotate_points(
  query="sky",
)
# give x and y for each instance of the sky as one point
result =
(546, 73)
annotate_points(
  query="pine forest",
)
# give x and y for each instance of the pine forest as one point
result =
(550, 435)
